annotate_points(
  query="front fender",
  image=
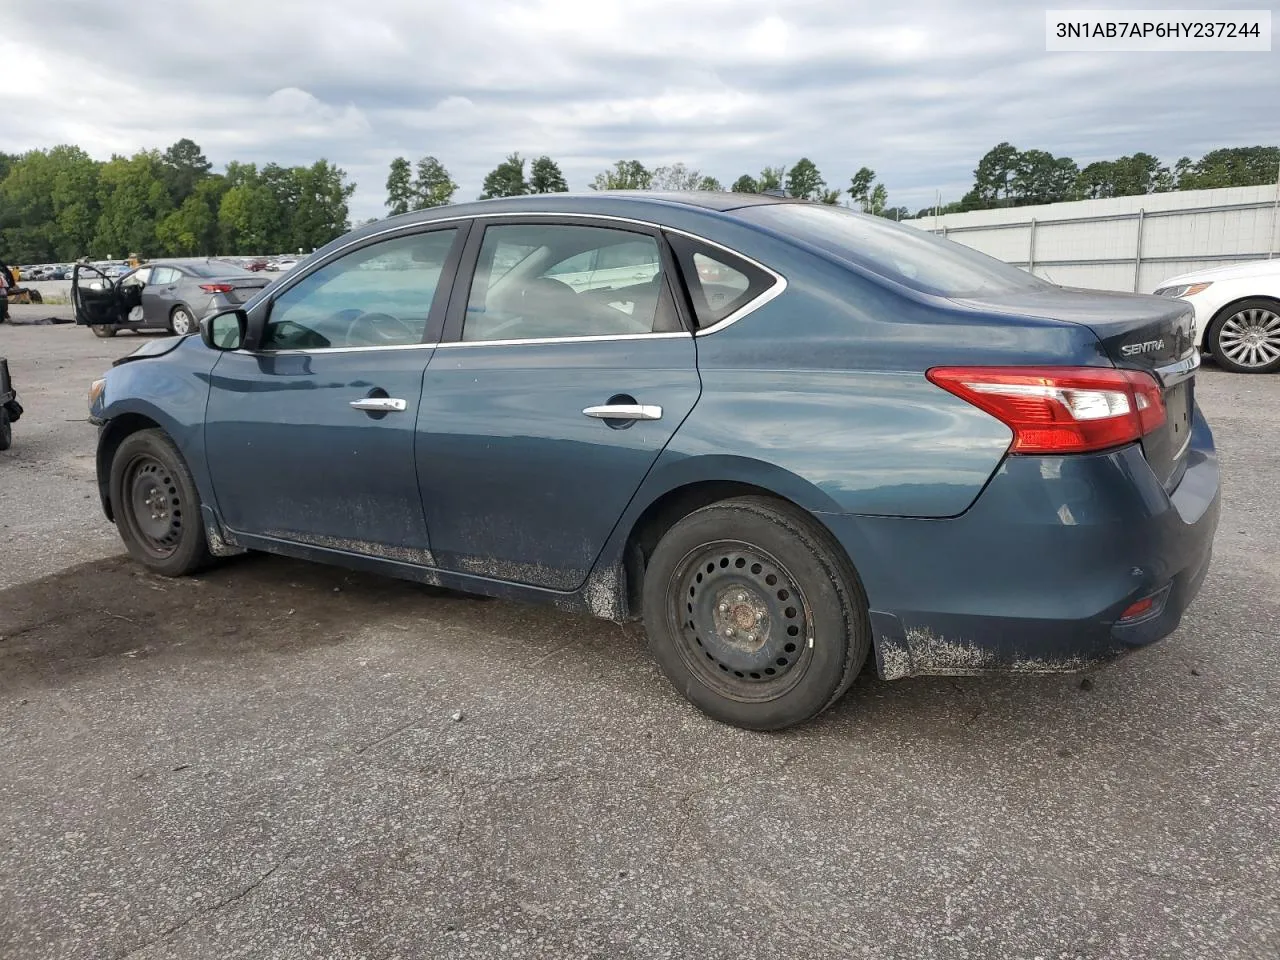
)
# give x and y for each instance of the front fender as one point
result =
(169, 392)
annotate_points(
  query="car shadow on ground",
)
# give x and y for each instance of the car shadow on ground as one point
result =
(262, 609)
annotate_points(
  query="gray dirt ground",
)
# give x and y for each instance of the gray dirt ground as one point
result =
(261, 762)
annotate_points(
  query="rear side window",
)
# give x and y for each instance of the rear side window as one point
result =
(913, 257)
(719, 283)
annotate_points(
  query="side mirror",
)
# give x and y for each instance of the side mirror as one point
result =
(224, 331)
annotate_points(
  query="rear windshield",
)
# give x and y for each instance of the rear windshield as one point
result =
(910, 256)
(217, 268)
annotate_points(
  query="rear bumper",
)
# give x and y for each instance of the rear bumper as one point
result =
(1035, 575)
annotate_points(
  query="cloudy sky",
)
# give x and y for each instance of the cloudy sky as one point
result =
(918, 91)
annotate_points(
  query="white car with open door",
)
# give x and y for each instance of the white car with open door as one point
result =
(1237, 313)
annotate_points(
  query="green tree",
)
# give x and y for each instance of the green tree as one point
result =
(895, 213)
(710, 185)
(745, 184)
(184, 165)
(860, 187)
(993, 178)
(134, 199)
(770, 179)
(432, 187)
(399, 187)
(321, 213)
(830, 197)
(675, 177)
(248, 219)
(1229, 167)
(49, 205)
(625, 175)
(545, 176)
(506, 179)
(878, 200)
(805, 181)
(1040, 177)
(193, 228)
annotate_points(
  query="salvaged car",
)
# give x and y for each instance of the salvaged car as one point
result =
(165, 295)
(10, 408)
(787, 436)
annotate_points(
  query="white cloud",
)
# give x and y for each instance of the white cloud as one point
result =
(917, 92)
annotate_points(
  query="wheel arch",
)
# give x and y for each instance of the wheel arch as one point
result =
(666, 508)
(113, 433)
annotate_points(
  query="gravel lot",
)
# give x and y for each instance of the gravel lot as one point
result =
(262, 762)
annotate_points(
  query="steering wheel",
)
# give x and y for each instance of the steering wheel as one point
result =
(379, 329)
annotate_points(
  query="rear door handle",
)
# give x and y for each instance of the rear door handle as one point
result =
(625, 411)
(380, 404)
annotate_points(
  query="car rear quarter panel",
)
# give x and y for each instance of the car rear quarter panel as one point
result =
(826, 383)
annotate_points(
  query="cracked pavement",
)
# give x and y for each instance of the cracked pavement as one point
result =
(262, 762)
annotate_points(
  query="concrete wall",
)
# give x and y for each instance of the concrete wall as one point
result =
(1124, 243)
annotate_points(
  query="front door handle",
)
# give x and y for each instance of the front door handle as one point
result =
(625, 411)
(380, 404)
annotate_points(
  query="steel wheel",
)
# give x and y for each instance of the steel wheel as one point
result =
(181, 322)
(1249, 339)
(742, 622)
(153, 506)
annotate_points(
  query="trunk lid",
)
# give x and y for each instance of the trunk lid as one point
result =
(1136, 332)
(242, 288)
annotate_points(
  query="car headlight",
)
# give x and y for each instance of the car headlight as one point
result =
(95, 391)
(1183, 290)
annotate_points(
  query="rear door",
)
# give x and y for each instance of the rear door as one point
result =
(158, 295)
(551, 397)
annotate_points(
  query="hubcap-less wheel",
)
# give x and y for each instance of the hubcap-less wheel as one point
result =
(155, 505)
(181, 322)
(742, 622)
(1251, 338)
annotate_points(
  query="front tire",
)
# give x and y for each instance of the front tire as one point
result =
(157, 506)
(754, 613)
(1246, 338)
(103, 330)
(181, 322)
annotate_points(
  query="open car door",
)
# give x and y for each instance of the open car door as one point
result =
(99, 302)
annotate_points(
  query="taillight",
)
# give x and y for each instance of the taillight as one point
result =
(1061, 409)
(216, 287)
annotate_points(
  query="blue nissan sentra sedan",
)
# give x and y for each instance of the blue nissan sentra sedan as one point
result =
(787, 436)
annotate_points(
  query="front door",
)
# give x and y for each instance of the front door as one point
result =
(310, 438)
(98, 301)
(562, 384)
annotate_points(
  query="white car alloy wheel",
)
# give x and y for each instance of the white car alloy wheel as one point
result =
(181, 322)
(1248, 340)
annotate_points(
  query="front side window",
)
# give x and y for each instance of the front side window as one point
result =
(377, 296)
(163, 276)
(536, 281)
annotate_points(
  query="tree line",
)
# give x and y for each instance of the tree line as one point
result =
(61, 204)
(1004, 177)
(1009, 177)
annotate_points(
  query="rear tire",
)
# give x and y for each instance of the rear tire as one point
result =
(181, 322)
(157, 506)
(1245, 338)
(754, 613)
(103, 330)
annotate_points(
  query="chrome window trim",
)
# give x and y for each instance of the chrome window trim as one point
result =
(778, 288)
(665, 335)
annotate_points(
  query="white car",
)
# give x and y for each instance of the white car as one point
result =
(1237, 313)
